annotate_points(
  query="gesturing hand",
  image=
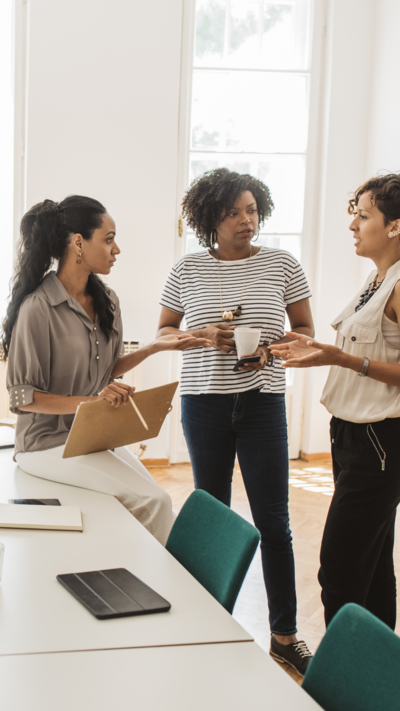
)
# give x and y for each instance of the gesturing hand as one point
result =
(116, 393)
(179, 342)
(304, 352)
(220, 336)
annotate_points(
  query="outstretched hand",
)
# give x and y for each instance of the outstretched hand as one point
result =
(180, 342)
(304, 352)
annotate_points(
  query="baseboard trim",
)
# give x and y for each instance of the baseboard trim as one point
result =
(162, 462)
(313, 456)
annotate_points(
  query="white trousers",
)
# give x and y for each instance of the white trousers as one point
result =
(118, 473)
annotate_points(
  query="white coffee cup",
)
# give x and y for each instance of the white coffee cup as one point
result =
(246, 340)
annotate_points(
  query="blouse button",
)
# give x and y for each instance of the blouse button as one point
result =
(97, 343)
(97, 357)
(94, 328)
(353, 338)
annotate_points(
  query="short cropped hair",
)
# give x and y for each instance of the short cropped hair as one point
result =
(385, 194)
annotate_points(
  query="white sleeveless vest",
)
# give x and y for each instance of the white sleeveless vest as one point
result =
(359, 333)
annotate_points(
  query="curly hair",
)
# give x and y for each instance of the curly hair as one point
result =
(46, 231)
(213, 193)
(385, 194)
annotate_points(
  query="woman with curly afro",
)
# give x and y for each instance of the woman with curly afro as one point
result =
(233, 283)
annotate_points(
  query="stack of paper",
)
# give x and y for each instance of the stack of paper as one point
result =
(57, 518)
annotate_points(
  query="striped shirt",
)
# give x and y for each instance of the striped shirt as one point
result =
(274, 280)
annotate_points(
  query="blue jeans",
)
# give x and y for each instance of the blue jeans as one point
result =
(252, 425)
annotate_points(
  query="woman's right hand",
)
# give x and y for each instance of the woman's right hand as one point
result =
(179, 342)
(297, 347)
(221, 336)
(116, 393)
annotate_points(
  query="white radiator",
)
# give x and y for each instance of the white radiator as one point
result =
(134, 378)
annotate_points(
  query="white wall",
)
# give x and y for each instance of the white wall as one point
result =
(344, 124)
(384, 143)
(102, 120)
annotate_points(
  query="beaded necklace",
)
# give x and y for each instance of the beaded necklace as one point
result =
(371, 289)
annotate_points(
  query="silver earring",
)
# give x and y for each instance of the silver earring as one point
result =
(213, 238)
(257, 236)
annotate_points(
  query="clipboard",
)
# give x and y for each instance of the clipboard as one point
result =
(99, 426)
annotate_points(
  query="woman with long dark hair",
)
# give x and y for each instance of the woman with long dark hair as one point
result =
(362, 394)
(62, 337)
(225, 413)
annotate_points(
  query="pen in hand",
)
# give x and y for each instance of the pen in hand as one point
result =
(139, 414)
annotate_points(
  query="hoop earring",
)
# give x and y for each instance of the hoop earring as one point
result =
(257, 236)
(213, 238)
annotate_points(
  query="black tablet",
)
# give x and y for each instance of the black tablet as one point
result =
(113, 593)
(36, 502)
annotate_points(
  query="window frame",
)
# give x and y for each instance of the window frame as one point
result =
(311, 207)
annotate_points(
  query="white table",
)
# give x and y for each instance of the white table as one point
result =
(194, 678)
(38, 615)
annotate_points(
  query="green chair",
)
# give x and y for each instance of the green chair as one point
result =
(214, 544)
(357, 665)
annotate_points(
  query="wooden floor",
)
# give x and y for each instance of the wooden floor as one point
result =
(311, 488)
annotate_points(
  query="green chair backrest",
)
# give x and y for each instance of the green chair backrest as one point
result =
(357, 665)
(214, 544)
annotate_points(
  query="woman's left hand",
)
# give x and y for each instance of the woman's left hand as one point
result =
(180, 342)
(262, 351)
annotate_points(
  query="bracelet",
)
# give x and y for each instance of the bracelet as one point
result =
(364, 369)
(271, 359)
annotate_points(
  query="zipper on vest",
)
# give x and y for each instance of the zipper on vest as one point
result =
(380, 450)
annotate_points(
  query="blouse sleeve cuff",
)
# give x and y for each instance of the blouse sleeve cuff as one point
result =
(20, 395)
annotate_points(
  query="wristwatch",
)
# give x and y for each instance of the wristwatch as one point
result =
(364, 370)
(271, 357)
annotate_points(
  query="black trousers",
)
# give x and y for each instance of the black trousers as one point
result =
(357, 544)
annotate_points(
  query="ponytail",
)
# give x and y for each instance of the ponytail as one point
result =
(45, 234)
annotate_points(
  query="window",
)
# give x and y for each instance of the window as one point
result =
(6, 149)
(250, 98)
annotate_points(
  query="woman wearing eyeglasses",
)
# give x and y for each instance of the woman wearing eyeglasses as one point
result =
(363, 395)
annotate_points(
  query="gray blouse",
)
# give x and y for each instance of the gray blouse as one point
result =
(56, 348)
